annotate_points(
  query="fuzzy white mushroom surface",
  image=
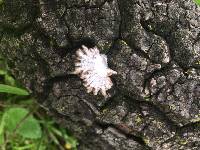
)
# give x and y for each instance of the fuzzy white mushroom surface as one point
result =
(93, 70)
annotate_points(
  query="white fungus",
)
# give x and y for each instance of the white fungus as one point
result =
(93, 70)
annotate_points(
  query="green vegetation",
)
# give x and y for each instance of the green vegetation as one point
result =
(1, 2)
(23, 124)
(197, 2)
(12, 90)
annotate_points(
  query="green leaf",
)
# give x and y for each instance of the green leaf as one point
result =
(3, 72)
(72, 141)
(29, 146)
(2, 124)
(12, 90)
(1, 139)
(197, 2)
(28, 127)
(9, 80)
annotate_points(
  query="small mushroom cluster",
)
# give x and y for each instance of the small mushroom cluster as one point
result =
(93, 69)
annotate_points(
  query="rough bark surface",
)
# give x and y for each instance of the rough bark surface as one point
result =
(154, 45)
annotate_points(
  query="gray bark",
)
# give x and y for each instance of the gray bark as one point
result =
(154, 45)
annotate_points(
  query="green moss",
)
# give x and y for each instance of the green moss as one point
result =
(198, 62)
(104, 46)
(150, 27)
(183, 141)
(172, 107)
(123, 42)
(105, 111)
(147, 97)
(197, 119)
(146, 140)
(138, 119)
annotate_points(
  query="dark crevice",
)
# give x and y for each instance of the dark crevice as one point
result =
(149, 76)
(87, 41)
(86, 6)
(17, 32)
(174, 127)
(77, 43)
(156, 110)
(190, 127)
(48, 84)
(63, 77)
(109, 102)
(120, 129)
(44, 66)
(61, 51)
(120, 24)
(166, 37)
(139, 52)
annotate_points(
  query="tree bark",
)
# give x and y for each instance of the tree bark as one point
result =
(154, 45)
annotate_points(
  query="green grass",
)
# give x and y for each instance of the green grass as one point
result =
(23, 124)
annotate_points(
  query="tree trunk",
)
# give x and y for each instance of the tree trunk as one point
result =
(154, 45)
